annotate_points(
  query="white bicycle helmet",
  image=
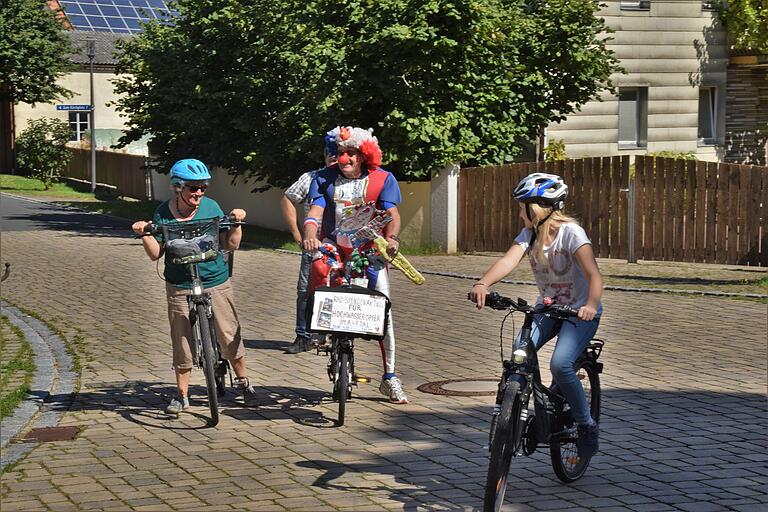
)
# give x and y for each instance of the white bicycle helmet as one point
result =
(543, 189)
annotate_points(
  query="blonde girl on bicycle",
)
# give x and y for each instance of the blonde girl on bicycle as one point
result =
(564, 267)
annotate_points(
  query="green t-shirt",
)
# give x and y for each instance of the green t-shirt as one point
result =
(212, 273)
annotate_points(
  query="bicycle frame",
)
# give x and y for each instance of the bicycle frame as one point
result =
(200, 297)
(548, 405)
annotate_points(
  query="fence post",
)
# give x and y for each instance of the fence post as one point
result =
(631, 257)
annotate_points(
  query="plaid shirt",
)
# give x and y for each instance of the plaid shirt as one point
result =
(298, 192)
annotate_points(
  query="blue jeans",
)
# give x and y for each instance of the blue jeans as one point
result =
(301, 295)
(573, 336)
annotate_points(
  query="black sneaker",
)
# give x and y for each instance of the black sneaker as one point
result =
(587, 442)
(300, 344)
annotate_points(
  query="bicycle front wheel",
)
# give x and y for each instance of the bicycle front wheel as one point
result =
(565, 461)
(342, 385)
(503, 446)
(208, 364)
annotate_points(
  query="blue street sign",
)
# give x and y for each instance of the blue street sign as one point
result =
(73, 107)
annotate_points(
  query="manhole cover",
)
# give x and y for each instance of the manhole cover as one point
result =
(461, 387)
(48, 434)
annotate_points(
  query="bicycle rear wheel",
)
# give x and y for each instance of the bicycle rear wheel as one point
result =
(208, 364)
(503, 447)
(341, 386)
(565, 461)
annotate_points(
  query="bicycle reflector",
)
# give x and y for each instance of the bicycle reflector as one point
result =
(519, 355)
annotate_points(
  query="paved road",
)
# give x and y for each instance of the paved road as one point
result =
(684, 410)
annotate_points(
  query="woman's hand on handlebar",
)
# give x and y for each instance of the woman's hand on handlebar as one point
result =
(478, 294)
(140, 227)
(237, 215)
(311, 244)
(587, 312)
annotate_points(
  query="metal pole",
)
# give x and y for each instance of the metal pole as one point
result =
(91, 45)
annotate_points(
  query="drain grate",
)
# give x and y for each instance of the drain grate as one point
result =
(49, 434)
(461, 387)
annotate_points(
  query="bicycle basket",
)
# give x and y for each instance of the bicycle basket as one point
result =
(192, 242)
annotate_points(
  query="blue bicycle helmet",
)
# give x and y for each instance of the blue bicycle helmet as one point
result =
(330, 145)
(189, 169)
(541, 188)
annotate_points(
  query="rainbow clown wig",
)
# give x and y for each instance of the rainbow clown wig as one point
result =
(361, 140)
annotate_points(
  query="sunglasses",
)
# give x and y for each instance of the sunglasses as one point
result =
(195, 188)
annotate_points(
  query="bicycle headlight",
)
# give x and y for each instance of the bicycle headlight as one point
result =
(197, 289)
(519, 355)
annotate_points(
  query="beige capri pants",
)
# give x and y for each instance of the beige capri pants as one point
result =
(225, 316)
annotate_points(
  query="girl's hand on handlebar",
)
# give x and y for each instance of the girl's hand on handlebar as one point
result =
(311, 244)
(237, 215)
(587, 313)
(478, 293)
(139, 227)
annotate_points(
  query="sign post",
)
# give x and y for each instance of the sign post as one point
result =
(91, 49)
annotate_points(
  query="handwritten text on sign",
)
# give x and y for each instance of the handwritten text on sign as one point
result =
(349, 312)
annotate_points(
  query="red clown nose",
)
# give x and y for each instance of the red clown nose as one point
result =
(344, 159)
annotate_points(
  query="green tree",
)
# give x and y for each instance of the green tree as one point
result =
(42, 149)
(34, 52)
(253, 87)
(747, 23)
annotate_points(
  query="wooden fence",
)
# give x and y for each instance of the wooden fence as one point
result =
(679, 210)
(120, 170)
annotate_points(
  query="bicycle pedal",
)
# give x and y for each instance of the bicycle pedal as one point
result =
(361, 379)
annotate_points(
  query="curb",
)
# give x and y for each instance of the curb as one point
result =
(612, 288)
(52, 388)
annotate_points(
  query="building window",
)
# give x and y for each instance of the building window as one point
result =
(633, 117)
(707, 115)
(635, 5)
(78, 124)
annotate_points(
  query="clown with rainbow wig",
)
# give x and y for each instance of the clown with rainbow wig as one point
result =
(347, 198)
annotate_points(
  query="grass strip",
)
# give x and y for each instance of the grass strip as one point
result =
(23, 361)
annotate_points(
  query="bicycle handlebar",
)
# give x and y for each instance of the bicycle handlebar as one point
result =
(155, 229)
(495, 301)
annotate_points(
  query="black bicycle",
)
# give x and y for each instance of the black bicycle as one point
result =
(191, 243)
(344, 314)
(513, 429)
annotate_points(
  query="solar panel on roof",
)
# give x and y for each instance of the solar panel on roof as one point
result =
(118, 16)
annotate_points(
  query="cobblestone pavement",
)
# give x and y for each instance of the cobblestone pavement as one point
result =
(683, 425)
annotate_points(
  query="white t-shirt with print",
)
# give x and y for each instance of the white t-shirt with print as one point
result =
(561, 278)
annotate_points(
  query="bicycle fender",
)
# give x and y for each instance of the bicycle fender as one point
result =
(520, 379)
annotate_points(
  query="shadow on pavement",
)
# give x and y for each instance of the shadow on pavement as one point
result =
(267, 344)
(53, 217)
(656, 447)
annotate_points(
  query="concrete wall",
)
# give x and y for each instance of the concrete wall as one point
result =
(264, 207)
(672, 49)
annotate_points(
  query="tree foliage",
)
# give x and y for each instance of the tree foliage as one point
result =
(747, 23)
(42, 149)
(34, 50)
(253, 86)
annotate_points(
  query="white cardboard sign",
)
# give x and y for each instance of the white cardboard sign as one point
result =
(349, 312)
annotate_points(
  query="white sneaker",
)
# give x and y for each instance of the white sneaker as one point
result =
(177, 405)
(393, 389)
